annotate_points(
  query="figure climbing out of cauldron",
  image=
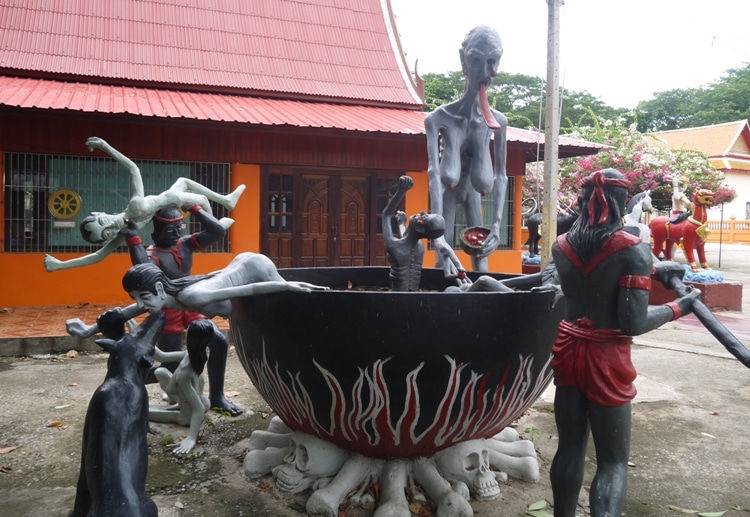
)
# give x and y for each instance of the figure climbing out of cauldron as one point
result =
(247, 274)
(682, 205)
(406, 253)
(605, 275)
(102, 228)
(460, 167)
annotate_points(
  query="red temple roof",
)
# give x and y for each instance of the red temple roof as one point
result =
(314, 49)
(305, 63)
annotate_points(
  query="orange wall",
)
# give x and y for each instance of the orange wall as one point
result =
(244, 235)
(24, 280)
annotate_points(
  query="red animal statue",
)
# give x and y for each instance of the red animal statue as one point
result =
(690, 234)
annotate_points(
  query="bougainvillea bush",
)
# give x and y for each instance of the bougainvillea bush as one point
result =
(640, 157)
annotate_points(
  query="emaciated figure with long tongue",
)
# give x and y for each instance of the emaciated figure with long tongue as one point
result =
(463, 171)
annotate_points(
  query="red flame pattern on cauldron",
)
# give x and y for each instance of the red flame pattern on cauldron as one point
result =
(362, 421)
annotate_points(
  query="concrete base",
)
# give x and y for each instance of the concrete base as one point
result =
(719, 296)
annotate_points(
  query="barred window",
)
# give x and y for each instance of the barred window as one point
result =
(47, 197)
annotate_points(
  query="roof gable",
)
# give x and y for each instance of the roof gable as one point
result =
(741, 144)
(727, 145)
(316, 49)
(714, 141)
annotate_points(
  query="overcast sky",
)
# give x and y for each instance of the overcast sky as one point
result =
(622, 52)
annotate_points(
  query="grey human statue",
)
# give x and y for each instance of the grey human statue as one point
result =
(406, 253)
(460, 167)
(605, 274)
(173, 253)
(185, 385)
(114, 456)
(247, 274)
(102, 228)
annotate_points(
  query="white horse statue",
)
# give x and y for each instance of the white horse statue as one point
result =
(638, 204)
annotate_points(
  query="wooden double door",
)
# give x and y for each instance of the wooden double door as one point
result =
(321, 218)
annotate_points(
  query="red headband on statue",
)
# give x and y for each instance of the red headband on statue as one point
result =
(597, 195)
(165, 220)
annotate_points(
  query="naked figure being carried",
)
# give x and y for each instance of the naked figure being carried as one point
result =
(460, 167)
(102, 228)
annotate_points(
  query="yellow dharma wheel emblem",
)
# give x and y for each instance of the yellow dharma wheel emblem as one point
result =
(64, 204)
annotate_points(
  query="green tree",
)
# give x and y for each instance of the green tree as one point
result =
(725, 100)
(442, 89)
(668, 110)
(518, 96)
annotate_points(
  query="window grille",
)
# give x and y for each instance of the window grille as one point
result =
(47, 197)
(280, 218)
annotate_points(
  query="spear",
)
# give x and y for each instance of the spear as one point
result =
(733, 345)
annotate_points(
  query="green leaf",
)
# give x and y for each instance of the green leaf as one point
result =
(538, 505)
(178, 504)
(297, 507)
(538, 513)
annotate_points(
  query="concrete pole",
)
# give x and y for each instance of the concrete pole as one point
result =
(551, 131)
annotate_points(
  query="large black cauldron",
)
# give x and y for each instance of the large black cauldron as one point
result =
(395, 374)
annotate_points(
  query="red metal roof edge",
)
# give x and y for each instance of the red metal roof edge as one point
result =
(29, 93)
(23, 92)
(268, 94)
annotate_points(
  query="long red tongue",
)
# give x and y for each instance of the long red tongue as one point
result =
(489, 119)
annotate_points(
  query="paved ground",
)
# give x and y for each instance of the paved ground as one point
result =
(690, 446)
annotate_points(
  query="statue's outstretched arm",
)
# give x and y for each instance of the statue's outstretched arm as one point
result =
(197, 297)
(77, 328)
(211, 228)
(405, 183)
(636, 316)
(136, 181)
(53, 264)
(168, 357)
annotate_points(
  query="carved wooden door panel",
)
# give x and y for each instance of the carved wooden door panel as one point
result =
(315, 230)
(314, 218)
(334, 221)
(351, 237)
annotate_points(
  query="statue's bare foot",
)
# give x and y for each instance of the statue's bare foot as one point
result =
(224, 406)
(235, 196)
